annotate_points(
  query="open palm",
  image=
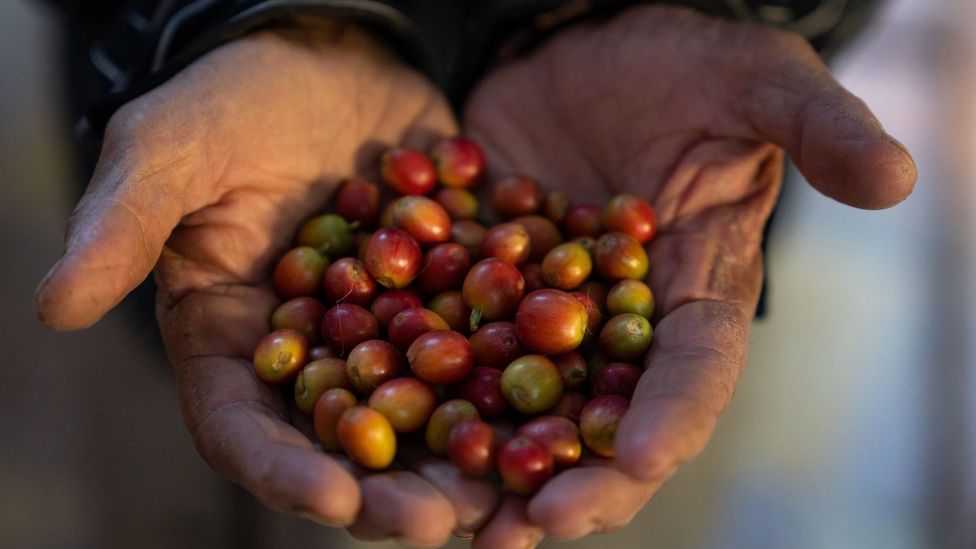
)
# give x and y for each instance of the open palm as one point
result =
(692, 113)
(206, 179)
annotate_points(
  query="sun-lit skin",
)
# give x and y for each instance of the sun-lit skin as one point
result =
(618, 105)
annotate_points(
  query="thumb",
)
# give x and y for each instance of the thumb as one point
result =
(831, 135)
(116, 232)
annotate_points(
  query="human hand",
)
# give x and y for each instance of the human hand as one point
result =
(692, 113)
(210, 174)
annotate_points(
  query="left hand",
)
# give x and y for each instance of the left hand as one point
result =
(691, 113)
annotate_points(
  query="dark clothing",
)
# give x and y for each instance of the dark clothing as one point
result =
(131, 46)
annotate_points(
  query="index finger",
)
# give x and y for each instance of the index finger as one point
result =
(237, 422)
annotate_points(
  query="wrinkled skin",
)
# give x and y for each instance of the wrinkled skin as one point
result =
(207, 177)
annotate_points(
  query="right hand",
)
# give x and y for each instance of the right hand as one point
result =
(206, 178)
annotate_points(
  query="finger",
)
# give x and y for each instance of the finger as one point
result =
(791, 99)
(246, 440)
(474, 499)
(509, 528)
(117, 231)
(237, 422)
(403, 506)
(693, 368)
(587, 500)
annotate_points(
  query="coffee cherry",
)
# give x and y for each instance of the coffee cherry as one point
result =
(317, 377)
(406, 402)
(408, 171)
(393, 257)
(346, 325)
(445, 266)
(515, 196)
(483, 388)
(496, 345)
(410, 324)
(555, 206)
(388, 304)
(469, 234)
(524, 465)
(493, 289)
(616, 378)
(594, 319)
(299, 273)
(330, 234)
(423, 218)
(632, 215)
(348, 281)
(558, 435)
(550, 322)
(367, 437)
(444, 418)
(630, 296)
(358, 201)
(532, 384)
(303, 314)
(617, 256)
(566, 266)
(458, 203)
(543, 235)
(572, 368)
(625, 337)
(280, 355)
(371, 364)
(321, 351)
(569, 406)
(599, 421)
(532, 274)
(472, 446)
(584, 220)
(508, 242)
(460, 162)
(440, 356)
(328, 409)
(450, 306)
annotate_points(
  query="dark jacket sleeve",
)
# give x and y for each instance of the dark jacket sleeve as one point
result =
(133, 45)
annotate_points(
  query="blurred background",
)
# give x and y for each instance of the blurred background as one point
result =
(854, 426)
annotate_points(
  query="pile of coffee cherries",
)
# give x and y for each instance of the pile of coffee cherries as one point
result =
(507, 348)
